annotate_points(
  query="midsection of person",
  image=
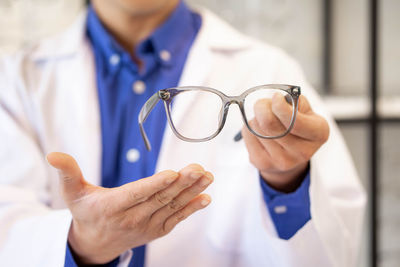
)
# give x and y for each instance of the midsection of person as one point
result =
(227, 232)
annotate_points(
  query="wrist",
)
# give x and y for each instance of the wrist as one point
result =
(286, 181)
(84, 251)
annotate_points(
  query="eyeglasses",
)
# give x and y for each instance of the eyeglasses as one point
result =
(209, 107)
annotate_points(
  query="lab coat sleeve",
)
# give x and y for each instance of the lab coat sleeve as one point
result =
(31, 234)
(32, 231)
(336, 194)
(337, 199)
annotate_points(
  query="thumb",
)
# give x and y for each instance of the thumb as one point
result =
(72, 182)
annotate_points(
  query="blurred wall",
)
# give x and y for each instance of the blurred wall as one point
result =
(24, 21)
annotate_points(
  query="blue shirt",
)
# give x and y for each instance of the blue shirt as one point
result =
(123, 88)
(291, 211)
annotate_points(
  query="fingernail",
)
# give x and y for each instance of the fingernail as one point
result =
(210, 176)
(205, 202)
(196, 175)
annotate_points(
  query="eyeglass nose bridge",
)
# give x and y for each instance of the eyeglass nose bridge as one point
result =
(223, 113)
(227, 102)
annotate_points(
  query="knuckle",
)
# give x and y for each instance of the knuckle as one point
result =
(194, 189)
(169, 224)
(175, 204)
(179, 216)
(162, 198)
(185, 184)
(165, 229)
(135, 196)
(195, 166)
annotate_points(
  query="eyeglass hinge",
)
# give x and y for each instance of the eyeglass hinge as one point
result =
(296, 91)
(164, 95)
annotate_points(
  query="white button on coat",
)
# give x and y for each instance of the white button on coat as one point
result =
(165, 55)
(114, 59)
(132, 155)
(139, 87)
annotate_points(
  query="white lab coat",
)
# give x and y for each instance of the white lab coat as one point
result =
(48, 102)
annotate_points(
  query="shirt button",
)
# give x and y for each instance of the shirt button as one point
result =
(132, 155)
(139, 87)
(114, 59)
(165, 55)
(280, 209)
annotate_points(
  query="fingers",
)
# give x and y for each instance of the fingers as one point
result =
(136, 192)
(194, 205)
(311, 127)
(187, 177)
(257, 152)
(268, 154)
(274, 117)
(266, 122)
(71, 179)
(269, 123)
(183, 198)
(308, 125)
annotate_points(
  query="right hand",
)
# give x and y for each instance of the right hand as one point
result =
(108, 221)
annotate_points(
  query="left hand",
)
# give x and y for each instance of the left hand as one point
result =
(282, 162)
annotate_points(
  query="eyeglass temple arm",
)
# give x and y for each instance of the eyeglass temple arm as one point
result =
(239, 136)
(144, 113)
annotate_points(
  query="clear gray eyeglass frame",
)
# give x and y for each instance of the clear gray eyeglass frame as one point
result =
(166, 95)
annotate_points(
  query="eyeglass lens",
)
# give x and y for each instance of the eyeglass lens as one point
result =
(201, 120)
(204, 116)
(267, 103)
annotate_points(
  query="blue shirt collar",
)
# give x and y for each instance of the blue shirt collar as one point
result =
(178, 26)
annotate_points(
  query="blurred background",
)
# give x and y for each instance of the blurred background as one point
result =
(347, 49)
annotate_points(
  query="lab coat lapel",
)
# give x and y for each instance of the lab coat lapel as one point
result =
(69, 58)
